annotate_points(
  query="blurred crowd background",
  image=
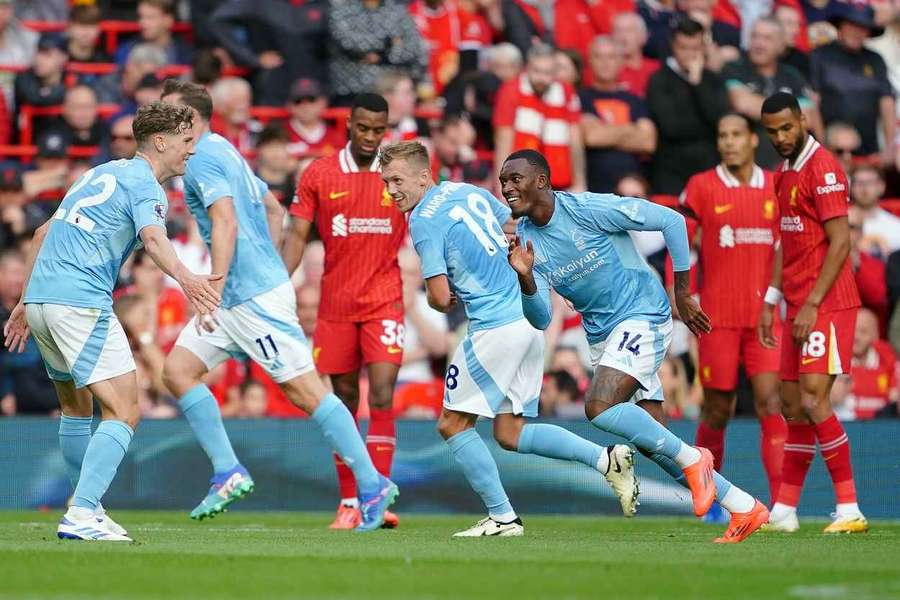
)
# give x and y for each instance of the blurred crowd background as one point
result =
(621, 95)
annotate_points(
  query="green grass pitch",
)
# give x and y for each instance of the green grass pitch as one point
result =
(293, 555)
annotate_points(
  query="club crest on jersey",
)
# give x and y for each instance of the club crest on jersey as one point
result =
(793, 201)
(769, 210)
(386, 199)
(578, 239)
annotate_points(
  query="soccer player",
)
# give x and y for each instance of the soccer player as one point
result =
(734, 205)
(496, 372)
(579, 245)
(360, 319)
(73, 264)
(240, 220)
(817, 284)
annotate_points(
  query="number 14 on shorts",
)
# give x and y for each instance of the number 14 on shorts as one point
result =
(630, 342)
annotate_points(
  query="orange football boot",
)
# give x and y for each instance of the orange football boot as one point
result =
(699, 478)
(743, 524)
(347, 518)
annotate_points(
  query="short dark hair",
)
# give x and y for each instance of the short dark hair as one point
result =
(685, 26)
(371, 102)
(779, 101)
(565, 383)
(160, 117)
(166, 6)
(191, 94)
(272, 133)
(747, 120)
(85, 14)
(533, 157)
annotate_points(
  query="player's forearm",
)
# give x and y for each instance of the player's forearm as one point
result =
(887, 109)
(160, 249)
(294, 244)
(674, 230)
(536, 310)
(838, 251)
(36, 241)
(275, 218)
(776, 267)
(682, 286)
(223, 237)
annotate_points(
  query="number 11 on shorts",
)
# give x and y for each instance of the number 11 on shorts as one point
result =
(261, 342)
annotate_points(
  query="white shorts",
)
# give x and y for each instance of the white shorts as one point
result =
(265, 329)
(496, 371)
(84, 345)
(638, 349)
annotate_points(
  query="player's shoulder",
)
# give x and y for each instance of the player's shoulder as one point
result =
(823, 166)
(320, 167)
(133, 177)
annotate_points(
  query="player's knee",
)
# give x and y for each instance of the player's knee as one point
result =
(715, 415)
(175, 377)
(595, 408)
(508, 440)
(381, 397)
(447, 428)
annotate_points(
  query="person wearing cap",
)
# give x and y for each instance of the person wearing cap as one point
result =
(852, 80)
(43, 84)
(309, 135)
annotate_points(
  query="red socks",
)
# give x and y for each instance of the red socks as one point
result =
(799, 452)
(381, 439)
(835, 449)
(713, 440)
(771, 448)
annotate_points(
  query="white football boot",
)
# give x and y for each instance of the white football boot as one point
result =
(620, 476)
(488, 526)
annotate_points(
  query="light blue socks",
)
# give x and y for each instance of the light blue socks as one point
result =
(101, 460)
(74, 437)
(201, 410)
(481, 472)
(555, 442)
(339, 428)
(637, 426)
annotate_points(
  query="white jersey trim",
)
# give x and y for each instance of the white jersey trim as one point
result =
(348, 165)
(808, 150)
(757, 178)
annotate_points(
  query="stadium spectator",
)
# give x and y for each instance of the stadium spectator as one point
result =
(721, 39)
(472, 96)
(122, 143)
(43, 84)
(207, 68)
(880, 229)
(149, 89)
(535, 111)
(156, 18)
(426, 329)
(515, 22)
(81, 123)
(560, 396)
(567, 358)
(853, 82)
(24, 386)
(45, 183)
(658, 16)
(615, 124)
(871, 385)
(53, 11)
(274, 164)
(370, 37)
(281, 40)
(309, 135)
(504, 61)
(119, 88)
(759, 74)
(686, 101)
(232, 98)
(308, 308)
(399, 90)
(843, 141)
(6, 125)
(17, 46)
(791, 22)
(83, 35)
(868, 271)
(679, 402)
(454, 153)
(569, 67)
(166, 307)
(630, 35)
(18, 216)
(888, 44)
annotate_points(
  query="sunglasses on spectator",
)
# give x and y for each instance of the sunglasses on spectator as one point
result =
(843, 151)
(304, 99)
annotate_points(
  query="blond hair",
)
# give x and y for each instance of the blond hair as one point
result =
(412, 152)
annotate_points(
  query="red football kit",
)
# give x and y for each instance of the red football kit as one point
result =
(739, 229)
(361, 310)
(811, 191)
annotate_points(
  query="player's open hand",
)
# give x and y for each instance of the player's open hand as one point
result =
(521, 258)
(16, 332)
(765, 328)
(804, 323)
(200, 293)
(692, 315)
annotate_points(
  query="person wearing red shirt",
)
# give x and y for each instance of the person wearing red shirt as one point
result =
(817, 283)
(533, 111)
(872, 383)
(629, 32)
(734, 206)
(309, 135)
(360, 317)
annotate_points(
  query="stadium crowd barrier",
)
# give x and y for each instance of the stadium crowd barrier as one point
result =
(294, 470)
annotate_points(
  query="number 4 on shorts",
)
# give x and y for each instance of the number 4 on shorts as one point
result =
(632, 347)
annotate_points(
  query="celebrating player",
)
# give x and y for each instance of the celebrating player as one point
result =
(822, 300)
(497, 370)
(361, 311)
(239, 219)
(578, 244)
(73, 264)
(734, 204)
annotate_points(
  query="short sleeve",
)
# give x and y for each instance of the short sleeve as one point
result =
(692, 197)
(505, 104)
(429, 247)
(828, 188)
(147, 210)
(306, 200)
(262, 187)
(209, 179)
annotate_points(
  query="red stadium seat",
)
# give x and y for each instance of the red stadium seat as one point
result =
(111, 30)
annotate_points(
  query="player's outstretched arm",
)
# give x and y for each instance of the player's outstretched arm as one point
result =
(295, 243)
(16, 332)
(535, 302)
(275, 218)
(198, 289)
(771, 301)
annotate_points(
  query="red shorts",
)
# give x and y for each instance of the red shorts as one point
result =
(827, 350)
(722, 349)
(342, 347)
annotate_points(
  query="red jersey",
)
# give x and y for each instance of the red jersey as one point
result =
(362, 232)
(874, 378)
(321, 140)
(810, 192)
(739, 228)
(634, 80)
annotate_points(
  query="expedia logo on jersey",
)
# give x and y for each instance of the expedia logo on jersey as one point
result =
(577, 269)
(341, 226)
(729, 238)
(793, 224)
(831, 185)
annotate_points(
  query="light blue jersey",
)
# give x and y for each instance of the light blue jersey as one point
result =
(217, 170)
(92, 233)
(587, 256)
(456, 229)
